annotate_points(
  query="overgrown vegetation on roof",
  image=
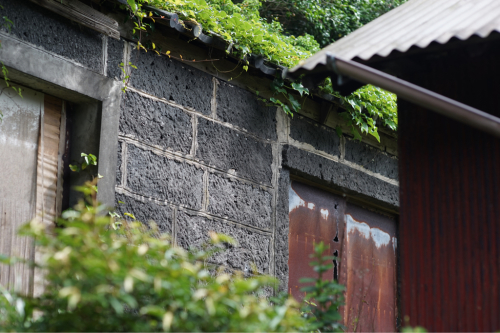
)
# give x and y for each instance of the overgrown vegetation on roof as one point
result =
(285, 32)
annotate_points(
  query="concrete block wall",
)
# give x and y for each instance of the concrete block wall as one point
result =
(41, 27)
(211, 156)
(197, 154)
(203, 154)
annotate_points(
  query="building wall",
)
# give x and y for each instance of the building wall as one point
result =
(210, 156)
(196, 153)
(449, 230)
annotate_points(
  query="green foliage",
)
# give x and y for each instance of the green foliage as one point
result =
(365, 107)
(126, 76)
(104, 274)
(416, 329)
(324, 297)
(239, 24)
(280, 89)
(284, 32)
(88, 159)
(325, 20)
(11, 307)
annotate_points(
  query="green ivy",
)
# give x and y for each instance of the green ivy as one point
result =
(239, 24)
(325, 20)
(242, 26)
(365, 107)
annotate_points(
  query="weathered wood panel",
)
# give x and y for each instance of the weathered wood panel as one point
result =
(85, 15)
(48, 191)
(48, 161)
(19, 131)
(29, 160)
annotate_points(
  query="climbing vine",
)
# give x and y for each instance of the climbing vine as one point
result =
(242, 27)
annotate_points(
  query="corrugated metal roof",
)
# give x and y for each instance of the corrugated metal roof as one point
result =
(415, 23)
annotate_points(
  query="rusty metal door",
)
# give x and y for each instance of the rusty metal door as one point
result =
(369, 274)
(365, 243)
(315, 216)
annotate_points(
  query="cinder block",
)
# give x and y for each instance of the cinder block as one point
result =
(240, 202)
(145, 211)
(242, 108)
(115, 58)
(251, 247)
(371, 158)
(163, 178)
(42, 27)
(172, 80)
(320, 137)
(227, 149)
(155, 122)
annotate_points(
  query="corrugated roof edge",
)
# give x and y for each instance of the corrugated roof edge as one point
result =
(416, 23)
(196, 31)
(256, 61)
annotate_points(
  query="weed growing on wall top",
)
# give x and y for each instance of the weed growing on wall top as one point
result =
(242, 26)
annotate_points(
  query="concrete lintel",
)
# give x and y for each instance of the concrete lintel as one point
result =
(33, 61)
(38, 69)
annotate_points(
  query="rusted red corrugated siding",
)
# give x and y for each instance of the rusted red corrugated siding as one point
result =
(449, 234)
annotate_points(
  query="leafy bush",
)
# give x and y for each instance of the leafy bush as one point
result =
(106, 274)
(325, 20)
(323, 297)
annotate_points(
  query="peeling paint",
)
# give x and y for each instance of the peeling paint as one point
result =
(379, 237)
(362, 227)
(370, 272)
(325, 213)
(394, 243)
(311, 206)
(294, 200)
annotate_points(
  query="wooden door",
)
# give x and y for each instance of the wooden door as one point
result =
(30, 173)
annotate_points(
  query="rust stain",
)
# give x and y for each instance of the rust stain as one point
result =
(365, 244)
(370, 268)
(313, 214)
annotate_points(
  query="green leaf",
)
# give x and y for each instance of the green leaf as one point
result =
(300, 88)
(74, 167)
(356, 134)
(129, 215)
(308, 289)
(338, 130)
(132, 5)
(307, 280)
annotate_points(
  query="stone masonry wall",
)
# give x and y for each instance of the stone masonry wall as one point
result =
(198, 154)
(210, 156)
